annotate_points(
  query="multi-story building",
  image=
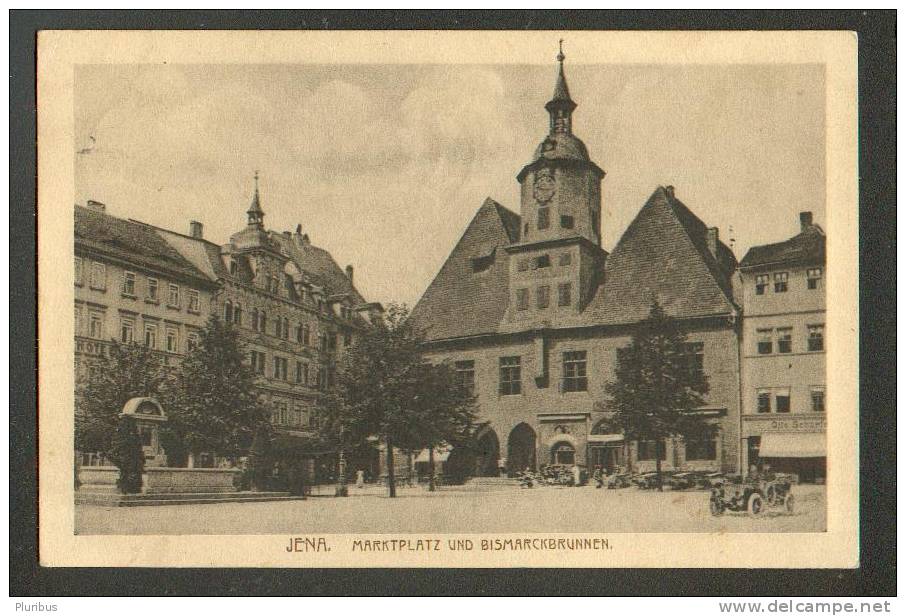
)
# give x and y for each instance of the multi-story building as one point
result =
(297, 313)
(533, 312)
(783, 354)
(132, 286)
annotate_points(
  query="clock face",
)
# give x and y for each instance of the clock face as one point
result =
(544, 186)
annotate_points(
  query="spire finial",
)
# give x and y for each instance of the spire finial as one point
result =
(560, 56)
(256, 214)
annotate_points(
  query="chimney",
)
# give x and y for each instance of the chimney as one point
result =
(96, 206)
(712, 240)
(196, 229)
(669, 191)
(805, 220)
(305, 240)
(349, 272)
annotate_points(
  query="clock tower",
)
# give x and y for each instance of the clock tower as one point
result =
(556, 265)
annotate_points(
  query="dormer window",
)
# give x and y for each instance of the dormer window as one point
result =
(542, 261)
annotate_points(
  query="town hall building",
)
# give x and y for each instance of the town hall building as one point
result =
(532, 311)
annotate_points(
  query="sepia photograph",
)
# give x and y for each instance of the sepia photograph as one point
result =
(525, 299)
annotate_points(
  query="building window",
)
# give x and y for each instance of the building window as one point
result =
(544, 218)
(98, 277)
(129, 284)
(780, 282)
(280, 415)
(784, 340)
(285, 334)
(173, 295)
(693, 359)
(237, 314)
(764, 400)
(563, 453)
(262, 322)
(151, 335)
(280, 368)
(192, 341)
(761, 283)
(322, 342)
(543, 296)
(648, 449)
(575, 371)
(816, 337)
(78, 324)
(523, 265)
(465, 375)
(193, 301)
(127, 330)
(95, 325)
(542, 261)
(566, 258)
(510, 376)
(306, 335)
(567, 222)
(298, 372)
(77, 272)
(172, 340)
(782, 400)
(813, 276)
(765, 341)
(817, 394)
(152, 289)
(522, 299)
(228, 311)
(701, 449)
(564, 294)
(257, 360)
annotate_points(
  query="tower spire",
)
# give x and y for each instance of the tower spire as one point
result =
(561, 105)
(255, 213)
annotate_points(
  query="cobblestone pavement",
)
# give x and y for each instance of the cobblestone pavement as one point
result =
(459, 509)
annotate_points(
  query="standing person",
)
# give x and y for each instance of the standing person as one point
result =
(598, 477)
(360, 479)
(577, 475)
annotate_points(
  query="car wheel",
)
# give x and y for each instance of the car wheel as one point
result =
(716, 507)
(789, 503)
(756, 504)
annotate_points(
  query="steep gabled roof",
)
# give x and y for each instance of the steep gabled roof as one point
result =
(132, 242)
(807, 247)
(317, 265)
(461, 301)
(663, 255)
(201, 253)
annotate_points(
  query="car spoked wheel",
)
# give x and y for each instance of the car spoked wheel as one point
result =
(755, 505)
(789, 503)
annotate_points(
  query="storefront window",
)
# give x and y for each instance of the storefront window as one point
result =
(647, 449)
(563, 453)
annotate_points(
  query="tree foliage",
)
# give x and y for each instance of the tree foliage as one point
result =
(215, 405)
(656, 389)
(127, 371)
(387, 389)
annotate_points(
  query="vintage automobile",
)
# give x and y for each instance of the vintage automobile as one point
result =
(685, 480)
(752, 495)
(648, 481)
(618, 480)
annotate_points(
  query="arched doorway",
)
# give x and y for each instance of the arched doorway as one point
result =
(606, 447)
(563, 453)
(521, 449)
(488, 454)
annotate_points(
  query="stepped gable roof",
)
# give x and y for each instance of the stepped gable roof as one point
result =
(317, 265)
(131, 241)
(806, 247)
(663, 255)
(460, 301)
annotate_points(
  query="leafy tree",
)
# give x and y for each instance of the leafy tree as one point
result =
(656, 390)
(127, 371)
(127, 455)
(215, 406)
(384, 389)
(445, 413)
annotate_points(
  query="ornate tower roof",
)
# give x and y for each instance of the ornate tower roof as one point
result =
(255, 213)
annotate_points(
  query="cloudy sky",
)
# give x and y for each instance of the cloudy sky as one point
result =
(386, 165)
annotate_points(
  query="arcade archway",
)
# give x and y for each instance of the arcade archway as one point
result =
(488, 454)
(521, 449)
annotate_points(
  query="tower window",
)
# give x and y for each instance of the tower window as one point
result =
(544, 218)
(564, 294)
(522, 299)
(567, 222)
(544, 296)
(542, 261)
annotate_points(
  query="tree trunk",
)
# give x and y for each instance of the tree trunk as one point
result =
(391, 475)
(657, 466)
(342, 489)
(431, 484)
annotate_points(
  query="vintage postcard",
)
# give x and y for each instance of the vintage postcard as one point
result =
(437, 299)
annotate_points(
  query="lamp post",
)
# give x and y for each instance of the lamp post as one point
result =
(342, 488)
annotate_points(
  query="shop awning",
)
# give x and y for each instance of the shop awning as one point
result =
(604, 438)
(440, 455)
(792, 445)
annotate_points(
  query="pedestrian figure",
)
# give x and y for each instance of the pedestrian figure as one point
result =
(598, 477)
(577, 475)
(360, 479)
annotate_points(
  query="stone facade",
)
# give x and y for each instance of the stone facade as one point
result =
(783, 354)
